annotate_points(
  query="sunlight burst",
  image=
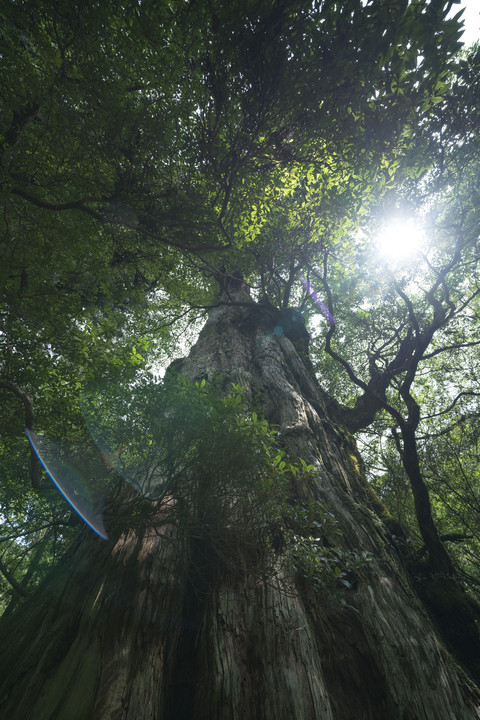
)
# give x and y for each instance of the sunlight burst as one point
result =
(400, 240)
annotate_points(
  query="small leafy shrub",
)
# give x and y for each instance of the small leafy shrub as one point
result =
(228, 483)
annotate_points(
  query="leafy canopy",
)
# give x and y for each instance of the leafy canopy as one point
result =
(146, 145)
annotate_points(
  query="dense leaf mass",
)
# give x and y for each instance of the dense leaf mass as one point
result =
(161, 159)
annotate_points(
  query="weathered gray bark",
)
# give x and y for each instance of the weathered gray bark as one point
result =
(125, 631)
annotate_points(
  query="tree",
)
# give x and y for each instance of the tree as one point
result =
(198, 158)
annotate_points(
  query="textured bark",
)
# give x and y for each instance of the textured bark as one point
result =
(127, 631)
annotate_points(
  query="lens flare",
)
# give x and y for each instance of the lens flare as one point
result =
(316, 299)
(125, 437)
(70, 482)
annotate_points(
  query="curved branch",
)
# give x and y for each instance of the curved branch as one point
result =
(12, 580)
(24, 397)
(448, 537)
(57, 207)
(107, 219)
(446, 348)
(27, 401)
(20, 119)
(464, 393)
(408, 305)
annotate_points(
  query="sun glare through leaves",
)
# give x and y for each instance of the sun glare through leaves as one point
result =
(399, 240)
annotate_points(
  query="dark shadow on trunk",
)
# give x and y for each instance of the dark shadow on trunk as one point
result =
(152, 625)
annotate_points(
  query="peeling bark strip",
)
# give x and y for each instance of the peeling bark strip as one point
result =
(125, 630)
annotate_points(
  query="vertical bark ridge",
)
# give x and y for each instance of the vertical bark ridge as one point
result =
(128, 631)
(392, 636)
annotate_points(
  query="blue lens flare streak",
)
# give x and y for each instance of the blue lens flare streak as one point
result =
(316, 299)
(139, 464)
(69, 483)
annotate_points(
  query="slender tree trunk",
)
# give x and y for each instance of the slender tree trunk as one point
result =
(125, 630)
(439, 558)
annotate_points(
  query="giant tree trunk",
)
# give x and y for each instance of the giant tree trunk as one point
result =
(123, 631)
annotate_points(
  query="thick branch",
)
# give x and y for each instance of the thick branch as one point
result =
(446, 348)
(24, 397)
(57, 207)
(19, 120)
(29, 424)
(12, 580)
(464, 393)
(129, 220)
(367, 405)
(448, 537)
(439, 557)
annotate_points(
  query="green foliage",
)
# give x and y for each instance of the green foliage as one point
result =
(145, 145)
(451, 463)
(234, 488)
